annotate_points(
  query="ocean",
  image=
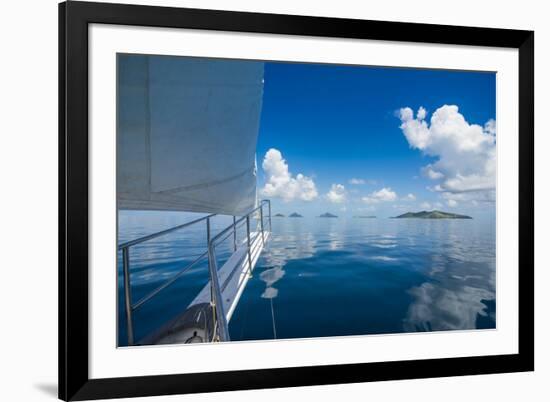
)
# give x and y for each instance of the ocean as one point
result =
(321, 277)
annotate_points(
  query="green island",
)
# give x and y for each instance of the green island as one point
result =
(432, 215)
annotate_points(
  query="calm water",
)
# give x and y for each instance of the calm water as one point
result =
(328, 277)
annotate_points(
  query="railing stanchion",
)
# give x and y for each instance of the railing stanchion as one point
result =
(212, 298)
(269, 212)
(217, 295)
(128, 295)
(262, 222)
(207, 231)
(234, 233)
(248, 244)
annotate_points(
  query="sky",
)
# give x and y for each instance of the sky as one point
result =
(355, 140)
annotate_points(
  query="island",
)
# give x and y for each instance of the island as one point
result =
(432, 215)
(295, 215)
(365, 216)
(279, 216)
(327, 215)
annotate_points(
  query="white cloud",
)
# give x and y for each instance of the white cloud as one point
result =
(416, 130)
(383, 195)
(421, 114)
(429, 172)
(281, 184)
(426, 205)
(409, 197)
(474, 197)
(356, 182)
(337, 194)
(491, 127)
(466, 152)
(452, 203)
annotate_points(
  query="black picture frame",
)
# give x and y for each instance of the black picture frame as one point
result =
(74, 18)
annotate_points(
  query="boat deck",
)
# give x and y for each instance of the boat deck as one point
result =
(234, 274)
(206, 318)
(196, 320)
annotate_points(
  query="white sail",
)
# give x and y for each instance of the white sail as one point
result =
(186, 133)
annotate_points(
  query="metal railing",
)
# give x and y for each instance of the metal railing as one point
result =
(220, 318)
(216, 291)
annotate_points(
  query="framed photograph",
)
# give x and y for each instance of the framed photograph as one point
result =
(256, 200)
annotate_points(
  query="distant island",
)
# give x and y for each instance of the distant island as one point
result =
(365, 216)
(432, 215)
(279, 216)
(328, 215)
(295, 215)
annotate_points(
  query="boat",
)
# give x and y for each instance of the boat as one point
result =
(191, 147)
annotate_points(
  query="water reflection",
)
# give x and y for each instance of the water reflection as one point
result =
(460, 284)
(333, 277)
(435, 275)
(443, 308)
(336, 240)
(282, 248)
(270, 276)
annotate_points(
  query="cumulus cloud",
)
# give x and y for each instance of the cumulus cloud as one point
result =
(280, 183)
(337, 194)
(472, 197)
(427, 206)
(421, 114)
(466, 152)
(491, 127)
(383, 195)
(409, 197)
(429, 172)
(355, 181)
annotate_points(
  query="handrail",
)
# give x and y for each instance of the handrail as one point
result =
(241, 219)
(174, 278)
(162, 232)
(130, 307)
(216, 293)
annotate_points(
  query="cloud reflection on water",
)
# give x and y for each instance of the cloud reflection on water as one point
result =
(281, 249)
(406, 275)
(460, 282)
(458, 266)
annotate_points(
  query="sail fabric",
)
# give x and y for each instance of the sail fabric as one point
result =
(186, 133)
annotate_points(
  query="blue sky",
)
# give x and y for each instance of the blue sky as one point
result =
(331, 124)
